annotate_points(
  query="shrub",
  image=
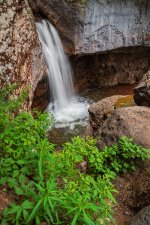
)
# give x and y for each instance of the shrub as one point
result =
(21, 137)
(49, 185)
(110, 160)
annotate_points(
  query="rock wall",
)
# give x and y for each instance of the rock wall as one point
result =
(109, 40)
(86, 27)
(122, 66)
(113, 24)
(92, 26)
(20, 52)
(61, 14)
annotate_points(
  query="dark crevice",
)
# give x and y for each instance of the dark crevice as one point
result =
(41, 95)
(117, 67)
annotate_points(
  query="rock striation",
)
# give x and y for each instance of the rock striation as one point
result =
(86, 27)
(92, 26)
(20, 52)
(108, 40)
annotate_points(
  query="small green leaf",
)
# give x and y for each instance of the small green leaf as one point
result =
(34, 211)
(19, 191)
(75, 218)
(16, 173)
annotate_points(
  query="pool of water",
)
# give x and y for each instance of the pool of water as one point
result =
(101, 93)
(63, 134)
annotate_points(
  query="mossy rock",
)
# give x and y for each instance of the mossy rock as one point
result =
(125, 101)
(80, 3)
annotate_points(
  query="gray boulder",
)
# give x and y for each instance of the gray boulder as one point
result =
(142, 91)
(142, 218)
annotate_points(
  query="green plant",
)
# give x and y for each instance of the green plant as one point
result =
(119, 157)
(49, 185)
(89, 200)
(110, 160)
(38, 204)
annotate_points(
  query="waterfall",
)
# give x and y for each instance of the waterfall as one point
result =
(64, 104)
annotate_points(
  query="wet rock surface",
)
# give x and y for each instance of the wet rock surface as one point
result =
(62, 14)
(41, 97)
(142, 91)
(98, 25)
(21, 55)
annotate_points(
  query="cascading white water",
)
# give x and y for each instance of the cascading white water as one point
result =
(65, 106)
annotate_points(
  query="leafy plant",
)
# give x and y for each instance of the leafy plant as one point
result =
(120, 157)
(89, 200)
(49, 185)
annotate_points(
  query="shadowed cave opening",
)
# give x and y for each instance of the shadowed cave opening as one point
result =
(116, 67)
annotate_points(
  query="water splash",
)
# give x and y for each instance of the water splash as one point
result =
(66, 106)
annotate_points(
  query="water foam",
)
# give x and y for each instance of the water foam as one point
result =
(67, 108)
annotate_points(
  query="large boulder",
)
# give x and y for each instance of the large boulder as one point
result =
(109, 121)
(21, 53)
(142, 218)
(142, 91)
(101, 110)
(132, 122)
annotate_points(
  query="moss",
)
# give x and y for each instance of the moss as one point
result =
(83, 1)
(80, 3)
(125, 101)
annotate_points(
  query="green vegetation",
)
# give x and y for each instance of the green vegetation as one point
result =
(49, 185)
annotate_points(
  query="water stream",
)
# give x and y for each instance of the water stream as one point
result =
(67, 108)
(70, 111)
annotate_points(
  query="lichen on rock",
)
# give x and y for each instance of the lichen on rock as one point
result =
(21, 55)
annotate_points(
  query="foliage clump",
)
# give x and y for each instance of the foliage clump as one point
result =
(48, 184)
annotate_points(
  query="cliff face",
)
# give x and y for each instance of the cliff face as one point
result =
(86, 27)
(21, 56)
(91, 26)
(113, 24)
(121, 66)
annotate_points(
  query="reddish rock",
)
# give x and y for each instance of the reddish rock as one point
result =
(41, 98)
(110, 122)
(133, 194)
(132, 122)
(21, 53)
(88, 131)
(101, 110)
